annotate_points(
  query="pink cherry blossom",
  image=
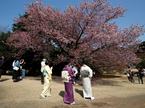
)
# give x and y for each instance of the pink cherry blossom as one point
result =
(86, 32)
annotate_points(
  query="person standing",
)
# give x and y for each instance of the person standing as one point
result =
(86, 74)
(1, 65)
(75, 70)
(22, 68)
(130, 74)
(47, 74)
(67, 75)
(140, 76)
(42, 67)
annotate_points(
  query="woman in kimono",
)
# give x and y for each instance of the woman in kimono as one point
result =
(86, 74)
(47, 74)
(67, 75)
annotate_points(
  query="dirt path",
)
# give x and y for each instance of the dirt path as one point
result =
(109, 93)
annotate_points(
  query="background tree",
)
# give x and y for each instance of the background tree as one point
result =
(83, 34)
(4, 48)
(6, 52)
(141, 54)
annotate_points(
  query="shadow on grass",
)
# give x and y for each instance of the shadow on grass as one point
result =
(61, 93)
(110, 76)
(106, 82)
(2, 80)
(80, 92)
(100, 104)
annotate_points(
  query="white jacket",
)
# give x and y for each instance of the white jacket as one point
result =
(47, 71)
(87, 68)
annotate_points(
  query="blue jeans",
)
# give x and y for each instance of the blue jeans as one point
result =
(23, 73)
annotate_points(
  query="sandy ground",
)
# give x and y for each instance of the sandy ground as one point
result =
(108, 93)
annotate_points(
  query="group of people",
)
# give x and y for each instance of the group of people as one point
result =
(139, 73)
(68, 75)
(18, 70)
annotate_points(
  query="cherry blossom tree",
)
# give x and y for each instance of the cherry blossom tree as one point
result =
(85, 33)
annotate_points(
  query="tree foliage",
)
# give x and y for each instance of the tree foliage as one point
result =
(85, 34)
(4, 48)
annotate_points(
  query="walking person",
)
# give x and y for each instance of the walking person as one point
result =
(86, 74)
(67, 75)
(140, 76)
(47, 74)
(131, 77)
(130, 74)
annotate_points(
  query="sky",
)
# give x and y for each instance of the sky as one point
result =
(11, 9)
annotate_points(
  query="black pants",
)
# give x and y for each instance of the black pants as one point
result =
(131, 79)
(16, 75)
(140, 80)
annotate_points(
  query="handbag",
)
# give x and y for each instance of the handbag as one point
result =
(65, 76)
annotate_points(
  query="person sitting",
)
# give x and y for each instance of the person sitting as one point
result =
(16, 76)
